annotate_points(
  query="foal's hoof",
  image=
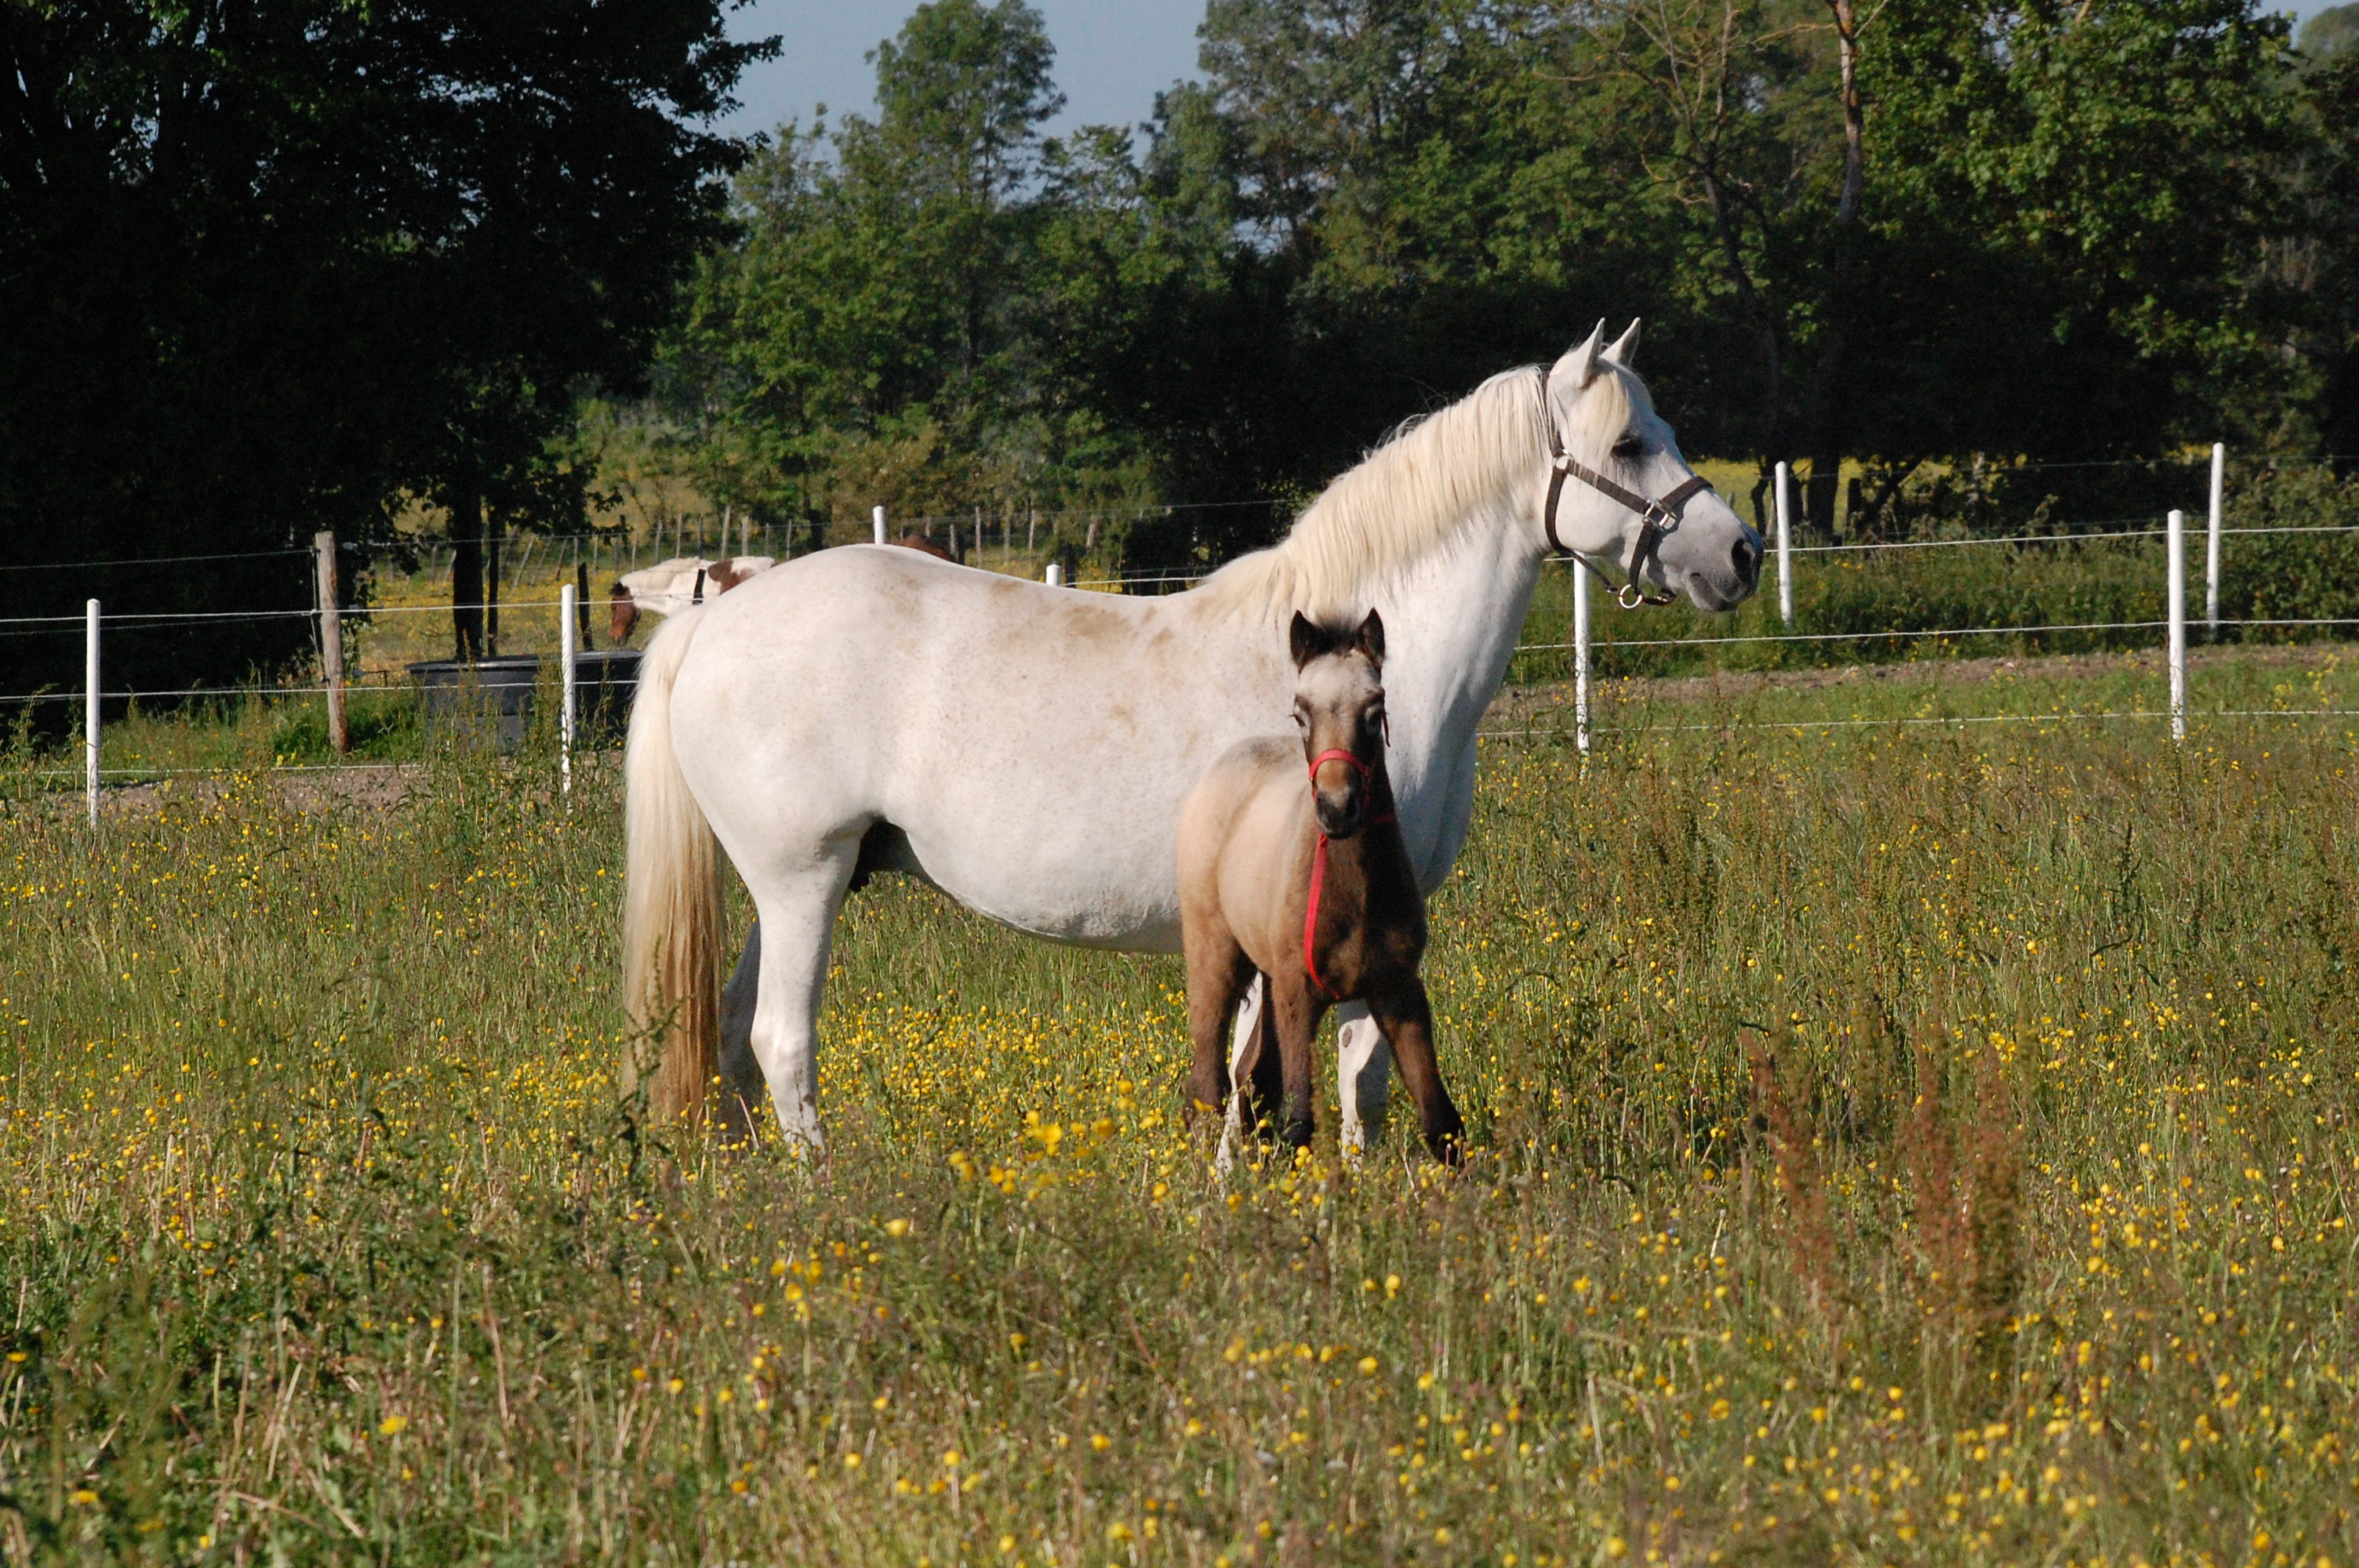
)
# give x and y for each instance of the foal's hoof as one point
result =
(1449, 1148)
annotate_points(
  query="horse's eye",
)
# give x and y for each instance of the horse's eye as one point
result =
(1629, 447)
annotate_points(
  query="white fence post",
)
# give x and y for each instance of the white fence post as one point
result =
(878, 518)
(566, 664)
(1580, 657)
(331, 643)
(90, 707)
(1785, 546)
(1055, 577)
(2178, 618)
(2212, 541)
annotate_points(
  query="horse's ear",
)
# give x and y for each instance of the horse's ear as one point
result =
(1579, 366)
(1306, 639)
(1624, 347)
(1371, 639)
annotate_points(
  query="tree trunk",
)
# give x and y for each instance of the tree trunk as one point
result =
(467, 574)
(1827, 387)
(1726, 221)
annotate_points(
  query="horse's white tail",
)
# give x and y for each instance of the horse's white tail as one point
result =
(672, 901)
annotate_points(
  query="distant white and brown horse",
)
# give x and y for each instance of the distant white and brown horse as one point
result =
(1026, 748)
(669, 587)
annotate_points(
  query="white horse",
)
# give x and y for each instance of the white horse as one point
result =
(1026, 748)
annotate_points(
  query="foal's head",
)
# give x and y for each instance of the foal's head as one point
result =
(1339, 705)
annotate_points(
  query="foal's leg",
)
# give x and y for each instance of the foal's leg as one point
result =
(1407, 1020)
(1297, 1014)
(1217, 970)
(797, 909)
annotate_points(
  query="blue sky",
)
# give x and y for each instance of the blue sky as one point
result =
(1113, 56)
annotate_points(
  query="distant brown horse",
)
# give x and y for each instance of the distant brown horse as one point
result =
(920, 542)
(1307, 880)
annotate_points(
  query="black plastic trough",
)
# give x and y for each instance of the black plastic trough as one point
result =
(495, 696)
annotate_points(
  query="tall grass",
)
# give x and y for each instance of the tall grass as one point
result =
(1924, 1144)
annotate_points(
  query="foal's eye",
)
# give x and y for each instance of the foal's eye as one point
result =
(1629, 447)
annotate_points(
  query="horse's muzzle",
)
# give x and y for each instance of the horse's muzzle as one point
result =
(1746, 557)
(1339, 819)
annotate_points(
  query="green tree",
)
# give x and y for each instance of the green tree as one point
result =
(914, 305)
(2321, 269)
(267, 269)
(1933, 226)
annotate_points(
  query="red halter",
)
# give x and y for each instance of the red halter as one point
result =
(1318, 871)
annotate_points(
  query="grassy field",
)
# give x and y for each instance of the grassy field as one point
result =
(1894, 1144)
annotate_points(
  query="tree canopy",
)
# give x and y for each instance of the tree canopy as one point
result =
(1891, 234)
(267, 268)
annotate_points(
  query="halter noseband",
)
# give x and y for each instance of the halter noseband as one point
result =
(1337, 755)
(1658, 518)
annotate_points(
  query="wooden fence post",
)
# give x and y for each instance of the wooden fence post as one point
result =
(332, 642)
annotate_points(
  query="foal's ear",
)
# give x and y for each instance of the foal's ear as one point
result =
(1371, 639)
(1579, 366)
(1306, 640)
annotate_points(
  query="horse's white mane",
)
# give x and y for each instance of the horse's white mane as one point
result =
(1418, 492)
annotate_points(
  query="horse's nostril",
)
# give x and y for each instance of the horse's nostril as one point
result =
(1747, 558)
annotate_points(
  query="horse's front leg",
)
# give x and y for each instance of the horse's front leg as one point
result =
(1252, 1066)
(1296, 1014)
(1406, 1018)
(1363, 1072)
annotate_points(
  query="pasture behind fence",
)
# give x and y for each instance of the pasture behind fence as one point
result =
(555, 621)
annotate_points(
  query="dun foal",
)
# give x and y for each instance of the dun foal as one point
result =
(1308, 883)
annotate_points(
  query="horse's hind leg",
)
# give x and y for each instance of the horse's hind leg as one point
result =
(796, 911)
(742, 1089)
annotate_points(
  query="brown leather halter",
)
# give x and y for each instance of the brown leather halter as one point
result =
(1659, 519)
(1318, 870)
